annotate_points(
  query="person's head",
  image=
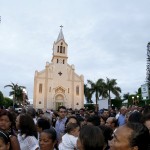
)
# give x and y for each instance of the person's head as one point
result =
(31, 111)
(71, 119)
(6, 120)
(26, 125)
(47, 139)
(93, 120)
(132, 136)
(4, 141)
(123, 110)
(90, 138)
(62, 111)
(81, 112)
(146, 121)
(73, 129)
(105, 113)
(42, 124)
(102, 120)
(135, 117)
(107, 133)
(111, 122)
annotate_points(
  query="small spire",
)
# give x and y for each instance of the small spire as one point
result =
(60, 36)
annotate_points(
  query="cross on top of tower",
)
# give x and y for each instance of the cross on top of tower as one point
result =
(61, 26)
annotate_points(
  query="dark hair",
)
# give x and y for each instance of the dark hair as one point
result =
(107, 133)
(61, 107)
(4, 112)
(70, 117)
(91, 138)
(43, 123)
(94, 119)
(4, 136)
(139, 136)
(71, 126)
(27, 125)
(146, 118)
(52, 133)
(104, 118)
(31, 111)
(135, 117)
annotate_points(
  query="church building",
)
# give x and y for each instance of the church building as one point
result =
(58, 84)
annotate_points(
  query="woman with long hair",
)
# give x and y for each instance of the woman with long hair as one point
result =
(27, 132)
(7, 124)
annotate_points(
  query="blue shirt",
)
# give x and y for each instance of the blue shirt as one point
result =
(60, 128)
(121, 120)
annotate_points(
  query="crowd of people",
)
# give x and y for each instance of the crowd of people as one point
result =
(67, 129)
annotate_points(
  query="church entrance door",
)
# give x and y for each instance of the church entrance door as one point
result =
(59, 101)
(58, 104)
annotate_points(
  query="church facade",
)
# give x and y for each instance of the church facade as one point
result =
(58, 84)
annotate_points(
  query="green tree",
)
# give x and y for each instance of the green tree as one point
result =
(16, 92)
(126, 96)
(1, 96)
(87, 94)
(96, 88)
(111, 86)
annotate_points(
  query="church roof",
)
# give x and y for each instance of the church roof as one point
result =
(60, 36)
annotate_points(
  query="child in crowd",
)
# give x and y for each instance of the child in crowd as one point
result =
(69, 140)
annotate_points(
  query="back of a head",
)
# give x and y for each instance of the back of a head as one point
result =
(107, 132)
(94, 119)
(135, 117)
(27, 126)
(91, 138)
(43, 123)
(139, 136)
(31, 111)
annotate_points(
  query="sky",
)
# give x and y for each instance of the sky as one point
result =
(106, 38)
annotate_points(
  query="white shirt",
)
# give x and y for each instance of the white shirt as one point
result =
(27, 143)
(68, 142)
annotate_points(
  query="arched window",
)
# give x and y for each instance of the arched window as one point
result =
(58, 49)
(57, 61)
(64, 50)
(77, 90)
(63, 61)
(68, 90)
(40, 88)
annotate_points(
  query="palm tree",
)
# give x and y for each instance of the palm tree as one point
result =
(88, 94)
(96, 88)
(17, 92)
(126, 96)
(111, 86)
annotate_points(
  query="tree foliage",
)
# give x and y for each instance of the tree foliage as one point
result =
(16, 92)
(103, 89)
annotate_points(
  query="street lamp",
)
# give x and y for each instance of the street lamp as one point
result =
(137, 101)
(133, 100)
